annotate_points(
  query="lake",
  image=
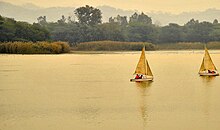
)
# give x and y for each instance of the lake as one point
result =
(93, 92)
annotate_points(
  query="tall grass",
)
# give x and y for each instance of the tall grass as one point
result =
(113, 46)
(188, 46)
(34, 48)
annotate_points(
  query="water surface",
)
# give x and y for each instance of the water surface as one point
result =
(92, 91)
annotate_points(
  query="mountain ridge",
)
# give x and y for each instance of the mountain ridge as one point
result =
(30, 12)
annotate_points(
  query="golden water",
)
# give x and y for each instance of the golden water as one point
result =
(93, 92)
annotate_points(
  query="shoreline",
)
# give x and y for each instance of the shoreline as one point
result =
(119, 52)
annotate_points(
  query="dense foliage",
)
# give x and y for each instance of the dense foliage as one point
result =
(11, 30)
(139, 28)
(88, 27)
(34, 48)
(88, 15)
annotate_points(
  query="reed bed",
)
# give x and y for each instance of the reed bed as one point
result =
(34, 48)
(188, 46)
(113, 46)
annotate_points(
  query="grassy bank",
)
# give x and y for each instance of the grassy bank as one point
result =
(137, 46)
(34, 48)
(188, 46)
(112, 46)
(63, 47)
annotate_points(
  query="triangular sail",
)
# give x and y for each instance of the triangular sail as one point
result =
(202, 68)
(143, 66)
(149, 72)
(207, 63)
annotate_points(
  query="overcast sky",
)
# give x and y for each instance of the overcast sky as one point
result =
(172, 6)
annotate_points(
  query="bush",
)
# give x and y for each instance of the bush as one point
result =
(34, 48)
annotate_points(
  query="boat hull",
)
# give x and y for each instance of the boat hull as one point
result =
(141, 80)
(208, 74)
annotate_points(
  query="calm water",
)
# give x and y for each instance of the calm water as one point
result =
(93, 92)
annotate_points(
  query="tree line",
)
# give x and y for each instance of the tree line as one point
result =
(12, 30)
(89, 27)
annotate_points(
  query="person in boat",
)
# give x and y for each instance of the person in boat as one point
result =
(209, 71)
(138, 76)
(141, 76)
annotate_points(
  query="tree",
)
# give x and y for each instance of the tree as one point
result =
(11, 30)
(7, 29)
(171, 34)
(121, 20)
(88, 15)
(199, 32)
(42, 20)
(112, 31)
(133, 18)
(62, 20)
(142, 18)
(215, 34)
(140, 32)
(215, 21)
(192, 22)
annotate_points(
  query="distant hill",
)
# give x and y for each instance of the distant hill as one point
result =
(30, 13)
(182, 18)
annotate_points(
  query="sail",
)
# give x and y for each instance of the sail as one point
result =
(207, 63)
(141, 66)
(149, 72)
(202, 68)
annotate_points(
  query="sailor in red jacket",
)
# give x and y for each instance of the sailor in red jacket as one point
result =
(138, 76)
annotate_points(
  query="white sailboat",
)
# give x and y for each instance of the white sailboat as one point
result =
(207, 67)
(143, 69)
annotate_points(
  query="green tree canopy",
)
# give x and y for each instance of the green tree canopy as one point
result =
(88, 15)
(140, 18)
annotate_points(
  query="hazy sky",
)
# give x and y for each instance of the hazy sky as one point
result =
(173, 6)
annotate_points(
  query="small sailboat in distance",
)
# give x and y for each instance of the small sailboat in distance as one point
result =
(207, 67)
(143, 71)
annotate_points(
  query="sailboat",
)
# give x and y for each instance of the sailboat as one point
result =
(207, 67)
(143, 69)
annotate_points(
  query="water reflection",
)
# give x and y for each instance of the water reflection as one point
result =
(207, 79)
(206, 104)
(205, 93)
(144, 92)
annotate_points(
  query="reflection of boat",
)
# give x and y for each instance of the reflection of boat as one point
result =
(144, 92)
(207, 67)
(143, 69)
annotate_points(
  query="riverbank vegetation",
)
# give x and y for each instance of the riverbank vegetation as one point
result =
(99, 46)
(188, 46)
(89, 33)
(113, 46)
(137, 46)
(34, 48)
